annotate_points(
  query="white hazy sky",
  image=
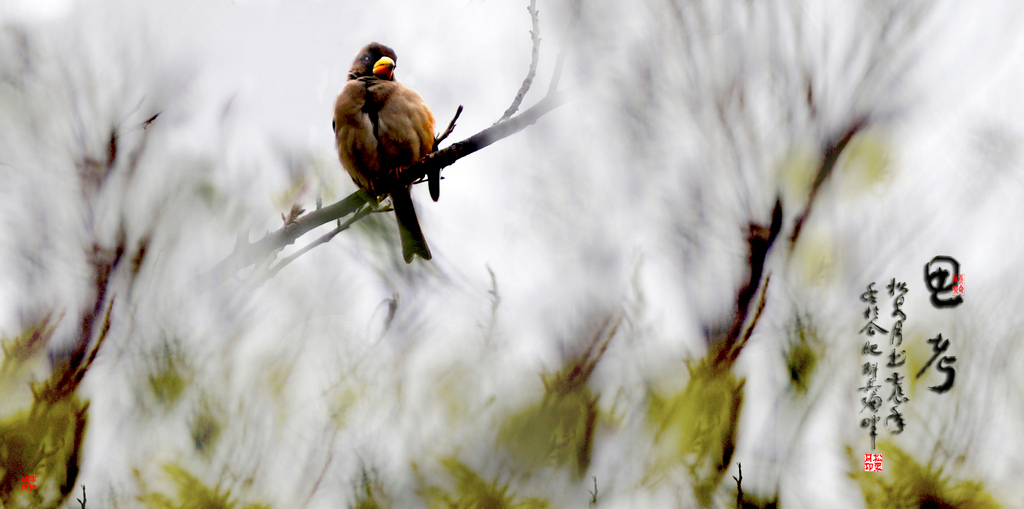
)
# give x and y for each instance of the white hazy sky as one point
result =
(629, 176)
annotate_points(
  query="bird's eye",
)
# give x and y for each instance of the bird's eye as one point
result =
(366, 59)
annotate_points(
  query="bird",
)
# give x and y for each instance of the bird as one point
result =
(381, 126)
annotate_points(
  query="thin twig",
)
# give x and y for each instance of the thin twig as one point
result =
(434, 177)
(534, 57)
(593, 494)
(448, 130)
(323, 471)
(739, 487)
(249, 254)
(749, 330)
(556, 75)
(448, 155)
(760, 240)
(833, 150)
(325, 238)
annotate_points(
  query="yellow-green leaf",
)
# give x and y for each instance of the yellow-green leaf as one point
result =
(904, 483)
(697, 427)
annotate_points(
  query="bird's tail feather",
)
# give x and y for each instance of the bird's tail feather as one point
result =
(413, 242)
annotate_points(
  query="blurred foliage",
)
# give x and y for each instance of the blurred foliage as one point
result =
(44, 440)
(559, 430)
(19, 352)
(802, 354)
(797, 174)
(905, 483)
(371, 495)
(755, 502)
(698, 426)
(192, 493)
(815, 258)
(867, 162)
(169, 379)
(205, 429)
(472, 492)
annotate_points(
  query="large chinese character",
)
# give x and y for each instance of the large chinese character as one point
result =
(938, 280)
(939, 346)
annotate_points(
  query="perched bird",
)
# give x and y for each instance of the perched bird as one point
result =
(381, 126)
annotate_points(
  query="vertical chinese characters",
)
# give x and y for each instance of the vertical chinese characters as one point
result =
(897, 358)
(935, 275)
(871, 401)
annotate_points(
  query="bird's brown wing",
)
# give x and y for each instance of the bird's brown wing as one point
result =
(405, 125)
(354, 137)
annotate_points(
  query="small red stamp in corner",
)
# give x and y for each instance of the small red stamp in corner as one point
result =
(872, 462)
(958, 284)
(29, 483)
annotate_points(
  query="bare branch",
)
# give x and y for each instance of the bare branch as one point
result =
(150, 120)
(447, 156)
(534, 57)
(251, 253)
(325, 238)
(760, 240)
(734, 353)
(833, 149)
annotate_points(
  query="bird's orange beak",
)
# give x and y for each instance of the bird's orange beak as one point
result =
(384, 68)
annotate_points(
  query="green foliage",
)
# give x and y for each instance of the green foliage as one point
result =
(697, 427)
(905, 483)
(867, 162)
(754, 502)
(45, 442)
(797, 173)
(802, 355)
(472, 492)
(192, 494)
(45, 439)
(205, 429)
(559, 430)
(20, 351)
(168, 380)
(368, 497)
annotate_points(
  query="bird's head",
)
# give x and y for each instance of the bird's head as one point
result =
(374, 59)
